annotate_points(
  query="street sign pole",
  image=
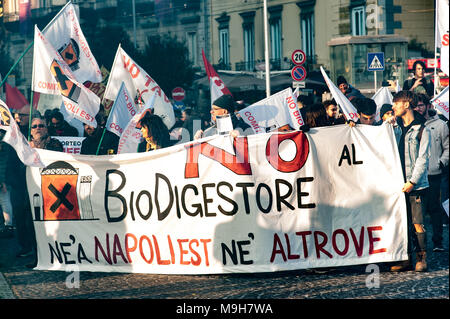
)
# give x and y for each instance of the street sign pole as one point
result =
(375, 80)
(298, 73)
(375, 62)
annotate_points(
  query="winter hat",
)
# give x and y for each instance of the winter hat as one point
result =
(341, 80)
(385, 108)
(226, 102)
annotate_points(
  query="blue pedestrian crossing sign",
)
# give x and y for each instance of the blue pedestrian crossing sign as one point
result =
(375, 61)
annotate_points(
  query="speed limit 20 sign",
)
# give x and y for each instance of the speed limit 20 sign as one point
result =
(298, 57)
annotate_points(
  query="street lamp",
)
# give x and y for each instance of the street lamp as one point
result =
(266, 49)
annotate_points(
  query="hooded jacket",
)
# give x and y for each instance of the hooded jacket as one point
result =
(439, 147)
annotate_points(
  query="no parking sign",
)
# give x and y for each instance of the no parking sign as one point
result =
(298, 73)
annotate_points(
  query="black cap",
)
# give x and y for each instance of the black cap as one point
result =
(385, 108)
(341, 80)
(226, 102)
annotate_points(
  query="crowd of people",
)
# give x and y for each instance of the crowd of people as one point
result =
(421, 133)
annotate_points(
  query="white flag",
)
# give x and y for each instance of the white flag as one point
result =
(273, 112)
(140, 86)
(65, 35)
(28, 155)
(132, 136)
(79, 102)
(122, 112)
(440, 102)
(296, 92)
(397, 86)
(347, 107)
(442, 39)
(382, 96)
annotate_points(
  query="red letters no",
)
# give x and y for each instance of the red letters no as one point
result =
(238, 163)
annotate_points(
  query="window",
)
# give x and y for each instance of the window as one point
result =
(275, 39)
(307, 31)
(249, 46)
(192, 47)
(224, 46)
(358, 21)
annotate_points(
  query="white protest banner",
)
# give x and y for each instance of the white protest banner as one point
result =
(79, 102)
(65, 34)
(217, 87)
(132, 136)
(71, 144)
(13, 136)
(440, 102)
(442, 40)
(382, 96)
(139, 85)
(346, 106)
(122, 112)
(260, 203)
(445, 205)
(273, 112)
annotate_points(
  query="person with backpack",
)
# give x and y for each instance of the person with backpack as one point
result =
(414, 151)
(419, 83)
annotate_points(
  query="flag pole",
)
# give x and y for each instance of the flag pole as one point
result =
(104, 129)
(266, 50)
(101, 140)
(17, 62)
(435, 47)
(29, 117)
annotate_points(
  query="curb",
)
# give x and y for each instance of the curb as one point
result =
(5, 291)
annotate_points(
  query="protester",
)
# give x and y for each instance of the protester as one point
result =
(315, 116)
(93, 137)
(59, 126)
(222, 106)
(367, 111)
(348, 90)
(22, 121)
(304, 100)
(439, 159)
(419, 83)
(16, 175)
(22, 118)
(6, 211)
(154, 132)
(414, 146)
(331, 109)
(40, 137)
(182, 127)
(387, 114)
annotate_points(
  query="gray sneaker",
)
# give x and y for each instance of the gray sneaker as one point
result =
(438, 248)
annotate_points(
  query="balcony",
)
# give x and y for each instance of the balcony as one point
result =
(259, 65)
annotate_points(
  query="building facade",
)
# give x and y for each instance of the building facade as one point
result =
(335, 34)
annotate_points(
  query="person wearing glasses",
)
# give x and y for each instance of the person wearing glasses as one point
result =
(59, 127)
(40, 137)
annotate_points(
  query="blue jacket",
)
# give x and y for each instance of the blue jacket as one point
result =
(416, 151)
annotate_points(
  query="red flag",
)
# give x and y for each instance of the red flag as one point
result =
(36, 96)
(217, 86)
(14, 98)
